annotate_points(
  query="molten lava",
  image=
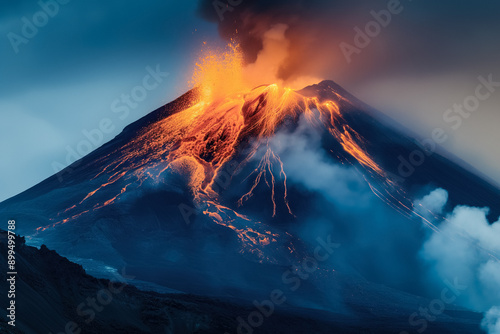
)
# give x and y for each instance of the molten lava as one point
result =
(198, 140)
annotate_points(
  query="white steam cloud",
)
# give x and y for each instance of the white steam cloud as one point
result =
(467, 247)
(491, 321)
(434, 202)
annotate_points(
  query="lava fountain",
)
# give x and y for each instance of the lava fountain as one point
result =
(199, 139)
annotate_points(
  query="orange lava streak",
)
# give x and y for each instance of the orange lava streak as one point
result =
(199, 139)
(353, 148)
(254, 237)
(112, 200)
(112, 180)
(43, 228)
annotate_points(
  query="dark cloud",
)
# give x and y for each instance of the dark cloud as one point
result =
(426, 35)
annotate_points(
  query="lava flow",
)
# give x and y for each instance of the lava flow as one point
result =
(198, 140)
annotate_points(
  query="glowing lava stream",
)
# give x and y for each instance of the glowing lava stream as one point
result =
(200, 139)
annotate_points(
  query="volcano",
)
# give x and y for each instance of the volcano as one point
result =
(217, 194)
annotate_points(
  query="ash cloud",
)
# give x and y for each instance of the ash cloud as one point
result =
(491, 322)
(468, 247)
(421, 37)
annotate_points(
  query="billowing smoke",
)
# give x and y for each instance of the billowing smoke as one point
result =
(387, 36)
(491, 321)
(266, 69)
(432, 203)
(291, 36)
(467, 248)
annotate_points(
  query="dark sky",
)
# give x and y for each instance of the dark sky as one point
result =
(65, 77)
